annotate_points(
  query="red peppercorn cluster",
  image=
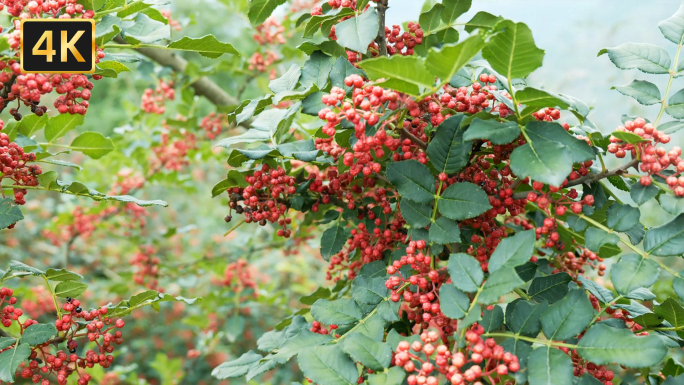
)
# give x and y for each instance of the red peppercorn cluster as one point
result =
(270, 32)
(9, 312)
(153, 100)
(654, 159)
(574, 263)
(213, 124)
(146, 268)
(36, 8)
(14, 161)
(459, 368)
(172, 152)
(239, 276)
(175, 24)
(317, 328)
(403, 43)
(260, 62)
(41, 303)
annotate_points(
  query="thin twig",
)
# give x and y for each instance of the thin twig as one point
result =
(380, 39)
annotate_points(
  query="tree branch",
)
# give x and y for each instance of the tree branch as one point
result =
(406, 134)
(590, 178)
(202, 86)
(380, 39)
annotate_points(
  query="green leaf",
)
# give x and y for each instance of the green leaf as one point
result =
(417, 215)
(641, 194)
(501, 282)
(453, 9)
(666, 240)
(445, 62)
(340, 71)
(395, 376)
(567, 317)
(370, 353)
(605, 345)
(316, 70)
(431, 20)
(62, 275)
(405, 74)
(110, 68)
(339, 312)
(672, 204)
(532, 97)
(628, 137)
(632, 272)
(673, 27)
(19, 266)
(71, 289)
(492, 319)
(92, 144)
(671, 311)
(596, 238)
(139, 202)
(671, 127)
(288, 81)
(358, 32)
(31, 124)
(551, 288)
(492, 130)
(447, 150)
(207, 46)
(413, 180)
(545, 158)
(328, 365)
(333, 240)
(465, 272)
(512, 52)
(233, 179)
(483, 20)
(549, 366)
(59, 125)
(644, 57)
(9, 213)
(601, 293)
(644, 92)
(524, 319)
(37, 334)
(444, 231)
(463, 200)
(675, 106)
(260, 10)
(10, 360)
(622, 217)
(513, 251)
(237, 368)
(145, 30)
(454, 303)
(369, 291)
(6, 342)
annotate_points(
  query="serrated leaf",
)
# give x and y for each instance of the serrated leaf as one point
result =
(406, 74)
(236, 368)
(524, 319)
(333, 240)
(666, 240)
(513, 251)
(260, 10)
(492, 130)
(448, 151)
(499, 283)
(37, 334)
(316, 70)
(288, 81)
(59, 125)
(492, 319)
(601, 293)
(453, 9)
(622, 217)
(9, 213)
(551, 288)
(339, 312)
(596, 238)
(632, 272)
(644, 57)
(644, 92)
(462, 201)
(358, 32)
(417, 215)
(394, 376)
(92, 144)
(444, 231)
(145, 30)
(454, 303)
(671, 127)
(207, 46)
(71, 289)
(512, 52)
(549, 366)
(340, 71)
(328, 365)
(567, 317)
(370, 353)
(31, 124)
(465, 272)
(19, 266)
(672, 204)
(604, 345)
(368, 290)
(483, 20)
(673, 27)
(413, 180)
(10, 360)
(445, 62)
(641, 194)
(62, 275)
(675, 106)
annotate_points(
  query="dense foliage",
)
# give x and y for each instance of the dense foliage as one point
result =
(470, 228)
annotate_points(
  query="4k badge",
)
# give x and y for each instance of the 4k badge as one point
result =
(58, 46)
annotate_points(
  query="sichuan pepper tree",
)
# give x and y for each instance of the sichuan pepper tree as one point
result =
(468, 213)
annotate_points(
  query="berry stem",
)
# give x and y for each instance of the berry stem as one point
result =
(663, 104)
(532, 340)
(54, 298)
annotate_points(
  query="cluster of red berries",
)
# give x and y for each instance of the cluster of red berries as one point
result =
(13, 161)
(153, 100)
(213, 124)
(239, 276)
(171, 153)
(36, 8)
(260, 62)
(175, 24)
(264, 198)
(41, 303)
(317, 328)
(146, 268)
(9, 312)
(270, 32)
(403, 43)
